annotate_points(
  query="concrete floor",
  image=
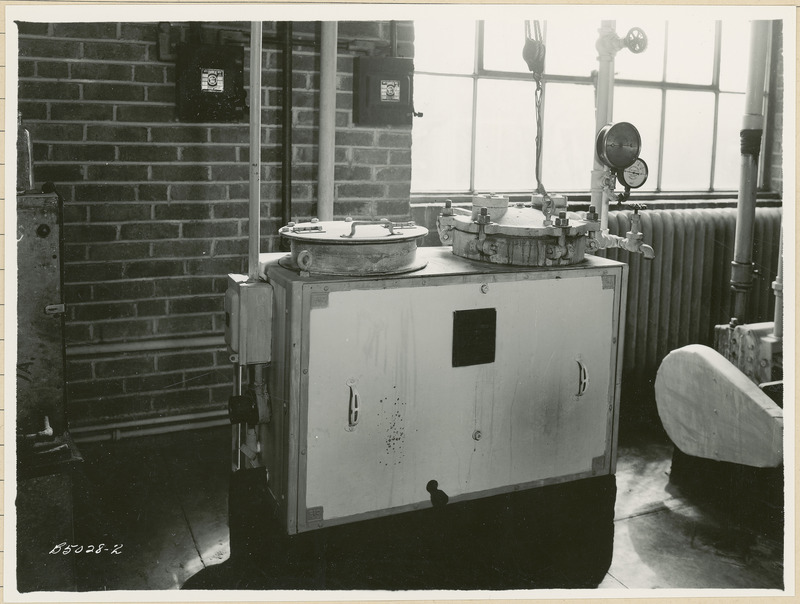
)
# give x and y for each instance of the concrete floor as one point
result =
(165, 500)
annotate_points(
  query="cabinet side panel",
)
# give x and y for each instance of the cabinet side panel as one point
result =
(293, 350)
(618, 352)
(274, 435)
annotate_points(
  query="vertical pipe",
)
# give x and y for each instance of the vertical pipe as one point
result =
(327, 119)
(752, 129)
(777, 286)
(606, 49)
(254, 232)
(286, 168)
(237, 428)
(393, 37)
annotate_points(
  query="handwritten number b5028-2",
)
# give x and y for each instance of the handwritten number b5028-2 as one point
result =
(64, 549)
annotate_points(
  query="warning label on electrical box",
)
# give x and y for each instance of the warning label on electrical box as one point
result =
(212, 80)
(390, 90)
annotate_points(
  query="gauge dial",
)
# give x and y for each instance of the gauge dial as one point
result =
(618, 145)
(635, 175)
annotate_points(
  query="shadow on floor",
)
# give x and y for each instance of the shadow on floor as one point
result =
(554, 537)
(165, 500)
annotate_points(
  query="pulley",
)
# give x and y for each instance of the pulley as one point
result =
(534, 50)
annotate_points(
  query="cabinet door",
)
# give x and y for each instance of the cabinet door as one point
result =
(482, 385)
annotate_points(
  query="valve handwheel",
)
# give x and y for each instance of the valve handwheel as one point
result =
(636, 40)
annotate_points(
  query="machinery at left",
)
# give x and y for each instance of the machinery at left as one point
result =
(47, 459)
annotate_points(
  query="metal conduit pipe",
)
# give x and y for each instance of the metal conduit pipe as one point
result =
(254, 232)
(777, 286)
(146, 345)
(327, 118)
(286, 168)
(151, 421)
(146, 428)
(751, 132)
(393, 38)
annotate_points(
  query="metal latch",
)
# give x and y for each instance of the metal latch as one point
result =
(54, 309)
(308, 229)
(383, 222)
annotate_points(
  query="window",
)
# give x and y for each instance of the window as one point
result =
(684, 93)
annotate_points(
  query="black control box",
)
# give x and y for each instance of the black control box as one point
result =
(383, 91)
(210, 83)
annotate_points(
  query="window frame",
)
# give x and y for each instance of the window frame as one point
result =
(479, 72)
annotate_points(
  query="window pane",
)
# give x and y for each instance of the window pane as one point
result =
(687, 141)
(571, 47)
(441, 139)
(734, 55)
(642, 108)
(505, 139)
(568, 152)
(502, 46)
(444, 46)
(647, 65)
(726, 167)
(690, 51)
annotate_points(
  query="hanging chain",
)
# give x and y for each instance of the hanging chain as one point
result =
(540, 187)
(534, 53)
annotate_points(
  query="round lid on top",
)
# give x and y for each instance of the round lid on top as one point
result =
(352, 232)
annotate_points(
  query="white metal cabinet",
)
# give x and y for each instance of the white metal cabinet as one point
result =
(541, 409)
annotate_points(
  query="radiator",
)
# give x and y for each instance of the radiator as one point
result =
(678, 297)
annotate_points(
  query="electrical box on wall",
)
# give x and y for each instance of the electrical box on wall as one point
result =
(383, 91)
(210, 83)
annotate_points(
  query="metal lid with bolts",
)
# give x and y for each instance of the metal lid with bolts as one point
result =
(353, 247)
(501, 232)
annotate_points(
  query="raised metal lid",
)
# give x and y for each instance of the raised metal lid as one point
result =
(353, 232)
(523, 221)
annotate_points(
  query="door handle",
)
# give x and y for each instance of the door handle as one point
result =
(583, 377)
(352, 406)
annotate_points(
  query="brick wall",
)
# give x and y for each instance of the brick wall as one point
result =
(156, 210)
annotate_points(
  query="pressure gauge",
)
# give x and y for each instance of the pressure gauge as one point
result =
(635, 175)
(618, 145)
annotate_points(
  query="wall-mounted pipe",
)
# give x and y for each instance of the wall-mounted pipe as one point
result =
(751, 133)
(393, 38)
(160, 344)
(115, 431)
(777, 287)
(327, 119)
(607, 47)
(254, 231)
(286, 168)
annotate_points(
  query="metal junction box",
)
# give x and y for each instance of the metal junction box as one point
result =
(383, 92)
(485, 379)
(210, 83)
(248, 309)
